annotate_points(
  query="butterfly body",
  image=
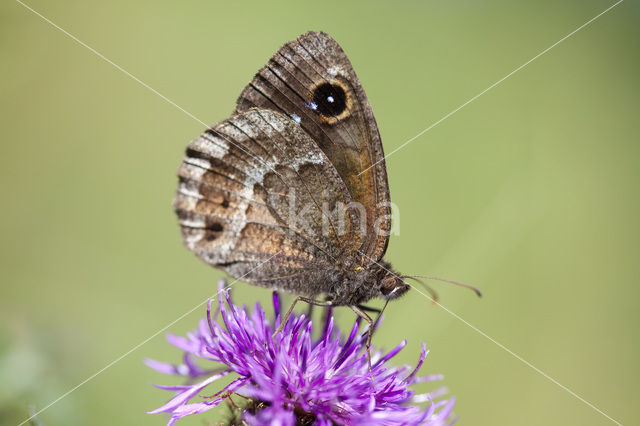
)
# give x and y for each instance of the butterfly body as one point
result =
(291, 191)
(353, 287)
(341, 284)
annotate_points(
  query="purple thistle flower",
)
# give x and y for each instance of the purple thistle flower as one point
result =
(293, 379)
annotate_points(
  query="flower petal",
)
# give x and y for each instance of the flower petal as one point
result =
(184, 396)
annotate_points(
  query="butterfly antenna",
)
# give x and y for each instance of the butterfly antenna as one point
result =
(432, 292)
(458, 283)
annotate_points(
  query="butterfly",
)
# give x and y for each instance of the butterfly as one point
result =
(290, 192)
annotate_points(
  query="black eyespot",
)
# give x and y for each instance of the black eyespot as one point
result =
(215, 227)
(329, 100)
(212, 231)
(225, 203)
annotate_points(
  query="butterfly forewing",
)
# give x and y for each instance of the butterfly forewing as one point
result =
(311, 81)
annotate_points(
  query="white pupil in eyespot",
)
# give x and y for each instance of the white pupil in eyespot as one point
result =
(330, 99)
(313, 105)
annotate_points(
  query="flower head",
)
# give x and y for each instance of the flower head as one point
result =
(292, 378)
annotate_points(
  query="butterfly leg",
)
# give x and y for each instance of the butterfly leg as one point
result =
(362, 314)
(369, 309)
(310, 310)
(376, 311)
(299, 299)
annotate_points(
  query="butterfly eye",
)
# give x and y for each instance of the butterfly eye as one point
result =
(329, 100)
(387, 285)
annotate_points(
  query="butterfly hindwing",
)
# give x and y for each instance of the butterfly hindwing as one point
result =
(249, 190)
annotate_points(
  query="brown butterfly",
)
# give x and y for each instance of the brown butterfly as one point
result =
(276, 196)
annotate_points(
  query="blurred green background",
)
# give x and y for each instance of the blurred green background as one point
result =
(530, 192)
